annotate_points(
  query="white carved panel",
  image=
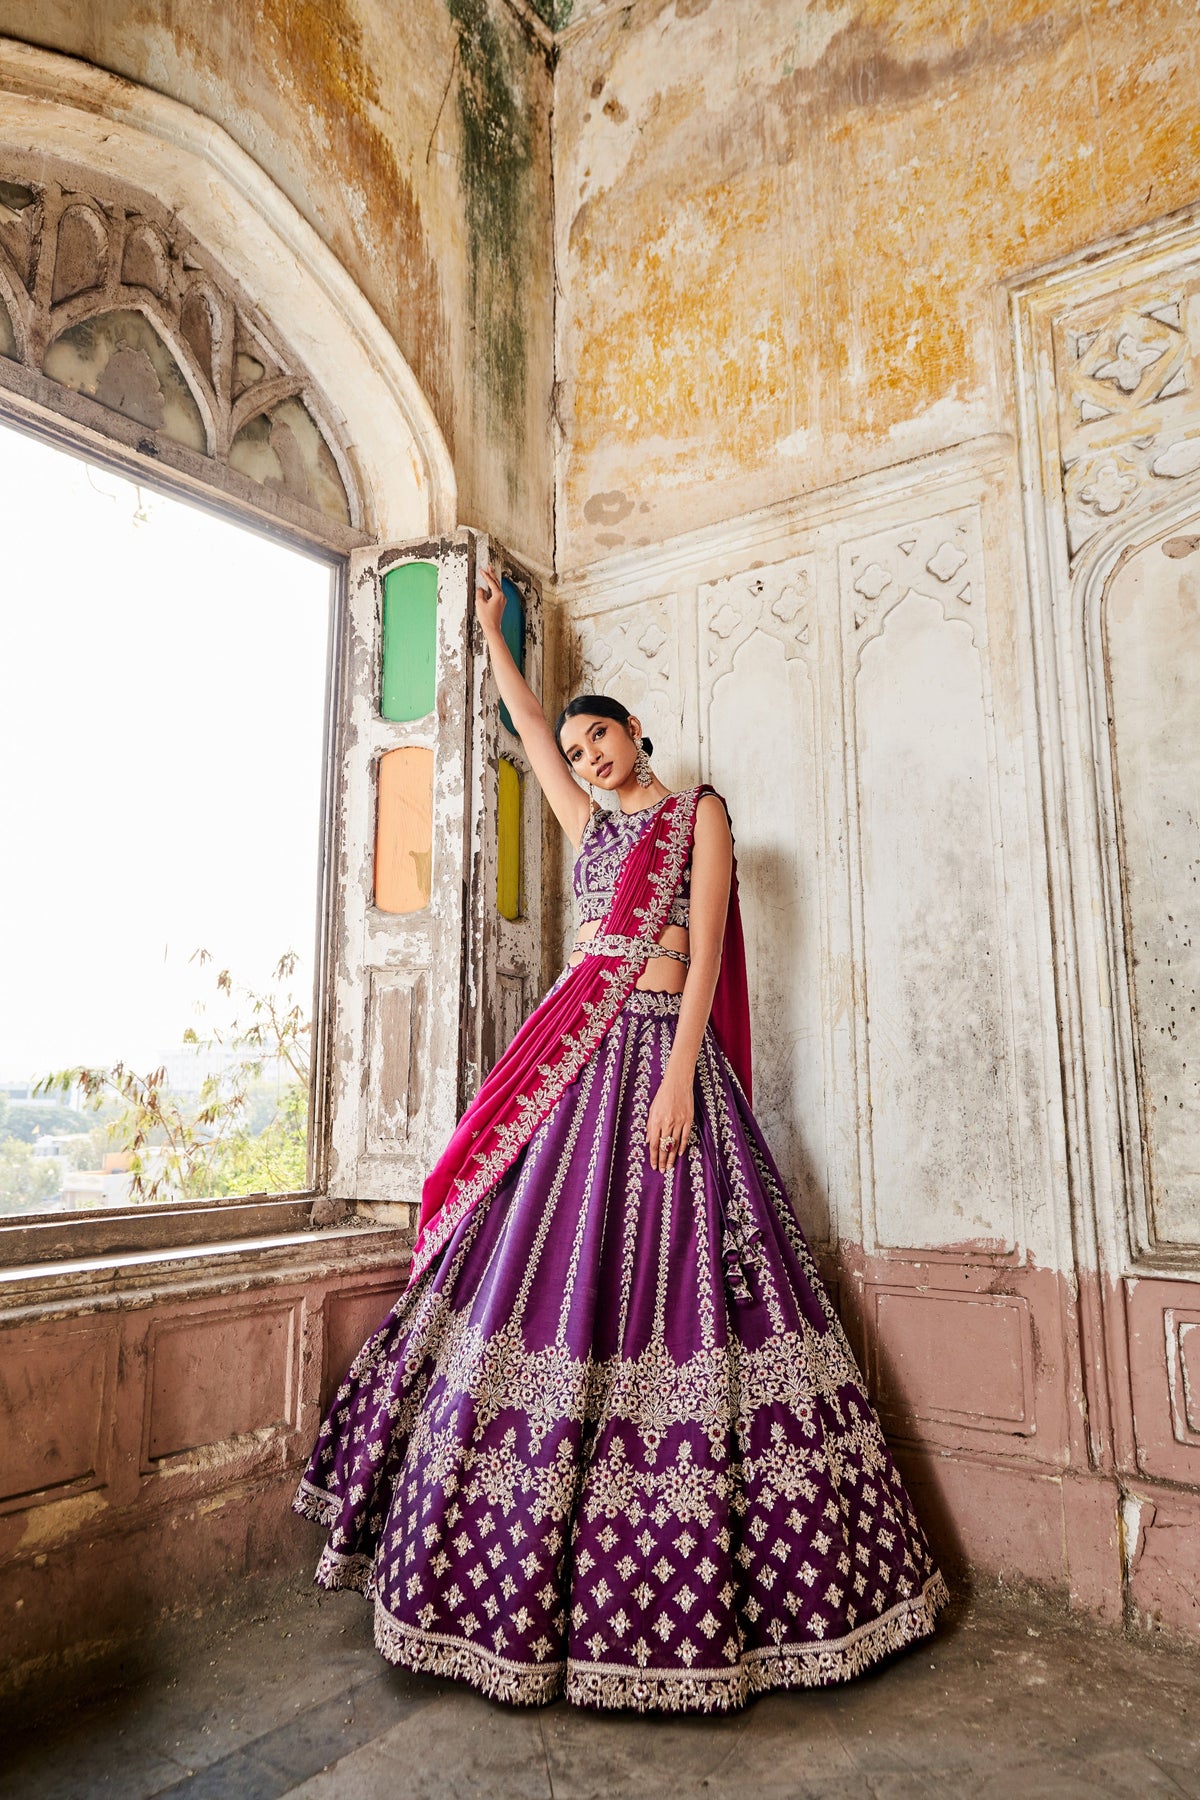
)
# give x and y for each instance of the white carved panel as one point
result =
(1128, 411)
(936, 1099)
(633, 654)
(1107, 350)
(1151, 628)
(761, 744)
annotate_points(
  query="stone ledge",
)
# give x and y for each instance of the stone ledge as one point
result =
(139, 1278)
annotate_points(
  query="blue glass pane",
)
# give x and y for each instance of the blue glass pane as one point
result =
(512, 629)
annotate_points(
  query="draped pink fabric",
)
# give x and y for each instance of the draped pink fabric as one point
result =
(559, 1035)
(730, 1015)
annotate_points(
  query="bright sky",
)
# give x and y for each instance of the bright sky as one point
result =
(162, 681)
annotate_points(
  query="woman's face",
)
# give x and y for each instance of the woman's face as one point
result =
(599, 750)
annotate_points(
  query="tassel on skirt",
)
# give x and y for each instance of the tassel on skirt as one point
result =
(614, 1444)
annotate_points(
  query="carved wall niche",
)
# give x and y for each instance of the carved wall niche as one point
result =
(936, 1031)
(1107, 359)
(761, 743)
(1149, 626)
(633, 654)
(853, 683)
(114, 318)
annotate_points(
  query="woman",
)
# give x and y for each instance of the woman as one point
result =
(612, 1441)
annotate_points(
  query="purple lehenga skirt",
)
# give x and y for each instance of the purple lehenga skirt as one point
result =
(614, 1444)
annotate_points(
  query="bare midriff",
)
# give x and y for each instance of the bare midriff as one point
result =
(661, 973)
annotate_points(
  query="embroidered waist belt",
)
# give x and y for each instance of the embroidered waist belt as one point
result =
(614, 944)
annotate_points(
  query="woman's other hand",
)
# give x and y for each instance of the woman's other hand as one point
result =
(671, 1113)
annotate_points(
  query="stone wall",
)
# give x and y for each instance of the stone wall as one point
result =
(878, 503)
(781, 231)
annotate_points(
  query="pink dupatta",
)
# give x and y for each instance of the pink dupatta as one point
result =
(561, 1034)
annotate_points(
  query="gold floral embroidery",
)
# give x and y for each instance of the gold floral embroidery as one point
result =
(645, 1689)
(510, 1137)
(764, 1456)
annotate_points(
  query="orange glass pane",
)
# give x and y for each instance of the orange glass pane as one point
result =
(404, 830)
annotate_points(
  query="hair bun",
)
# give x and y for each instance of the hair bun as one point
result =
(647, 746)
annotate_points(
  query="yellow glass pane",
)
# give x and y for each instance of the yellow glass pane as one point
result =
(404, 830)
(508, 860)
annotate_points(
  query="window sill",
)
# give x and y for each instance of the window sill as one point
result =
(75, 1283)
(127, 1231)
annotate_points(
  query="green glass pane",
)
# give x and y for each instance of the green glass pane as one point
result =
(409, 641)
(512, 630)
(508, 860)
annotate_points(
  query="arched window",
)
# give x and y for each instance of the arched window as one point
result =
(201, 339)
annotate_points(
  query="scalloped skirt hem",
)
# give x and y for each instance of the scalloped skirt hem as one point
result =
(611, 1686)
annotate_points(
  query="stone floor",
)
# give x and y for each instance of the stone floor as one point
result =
(1012, 1698)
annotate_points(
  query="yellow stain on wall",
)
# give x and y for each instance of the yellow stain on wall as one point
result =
(404, 830)
(799, 276)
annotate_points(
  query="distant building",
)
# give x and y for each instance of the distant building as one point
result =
(188, 1069)
(19, 1091)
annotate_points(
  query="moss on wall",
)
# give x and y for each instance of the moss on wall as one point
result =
(495, 170)
(554, 13)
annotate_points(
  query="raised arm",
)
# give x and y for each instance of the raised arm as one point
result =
(566, 797)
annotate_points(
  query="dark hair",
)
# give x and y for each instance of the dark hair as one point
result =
(600, 705)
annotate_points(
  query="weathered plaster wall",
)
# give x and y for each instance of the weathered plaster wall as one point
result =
(415, 140)
(780, 228)
(898, 548)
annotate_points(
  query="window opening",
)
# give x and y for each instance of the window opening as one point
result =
(164, 690)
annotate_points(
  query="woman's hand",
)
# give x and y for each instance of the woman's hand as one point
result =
(671, 1114)
(489, 600)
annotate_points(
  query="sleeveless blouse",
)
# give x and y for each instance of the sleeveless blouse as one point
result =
(607, 838)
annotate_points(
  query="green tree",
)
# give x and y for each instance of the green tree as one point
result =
(27, 1181)
(30, 1122)
(231, 1140)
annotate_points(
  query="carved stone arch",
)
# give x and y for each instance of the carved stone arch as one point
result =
(109, 285)
(89, 308)
(205, 324)
(145, 258)
(81, 252)
(147, 164)
(17, 305)
(283, 336)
